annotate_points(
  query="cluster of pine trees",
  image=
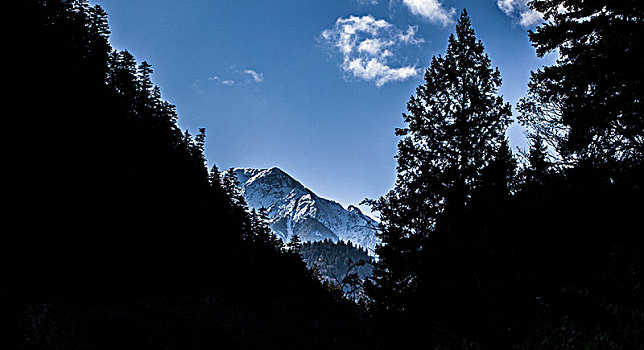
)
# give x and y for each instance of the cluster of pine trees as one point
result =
(120, 237)
(331, 257)
(483, 250)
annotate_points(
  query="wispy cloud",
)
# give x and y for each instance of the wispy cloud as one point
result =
(367, 45)
(409, 37)
(218, 80)
(257, 77)
(367, 2)
(235, 77)
(432, 10)
(519, 10)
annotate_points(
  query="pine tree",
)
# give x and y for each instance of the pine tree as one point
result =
(294, 245)
(144, 71)
(498, 177)
(214, 177)
(123, 76)
(200, 147)
(231, 186)
(237, 206)
(455, 126)
(98, 47)
(145, 97)
(538, 164)
(263, 232)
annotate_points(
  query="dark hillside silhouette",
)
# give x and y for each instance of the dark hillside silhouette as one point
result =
(121, 237)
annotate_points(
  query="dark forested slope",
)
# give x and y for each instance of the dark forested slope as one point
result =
(120, 237)
(333, 260)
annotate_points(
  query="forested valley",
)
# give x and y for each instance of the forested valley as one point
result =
(120, 237)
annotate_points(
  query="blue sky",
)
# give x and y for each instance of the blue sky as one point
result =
(315, 87)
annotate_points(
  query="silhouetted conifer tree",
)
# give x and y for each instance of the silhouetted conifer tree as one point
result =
(265, 236)
(294, 245)
(591, 99)
(538, 165)
(456, 124)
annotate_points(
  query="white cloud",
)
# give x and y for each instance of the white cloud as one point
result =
(375, 47)
(258, 77)
(367, 2)
(507, 6)
(530, 18)
(218, 80)
(367, 44)
(254, 77)
(432, 10)
(519, 10)
(378, 72)
(409, 37)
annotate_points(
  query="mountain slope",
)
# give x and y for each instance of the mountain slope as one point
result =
(294, 209)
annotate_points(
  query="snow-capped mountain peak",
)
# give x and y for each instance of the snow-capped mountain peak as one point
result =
(295, 209)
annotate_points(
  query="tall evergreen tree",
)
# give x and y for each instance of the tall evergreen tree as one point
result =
(294, 245)
(455, 126)
(98, 46)
(265, 236)
(538, 164)
(200, 146)
(498, 176)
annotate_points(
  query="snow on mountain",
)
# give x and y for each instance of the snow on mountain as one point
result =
(294, 209)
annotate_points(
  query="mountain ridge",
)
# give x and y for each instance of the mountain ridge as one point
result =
(295, 209)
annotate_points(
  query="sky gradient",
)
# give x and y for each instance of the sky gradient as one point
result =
(313, 87)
